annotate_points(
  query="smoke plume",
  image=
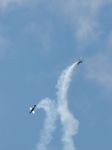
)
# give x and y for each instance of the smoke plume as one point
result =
(59, 109)
(49, 124)
(70, 124)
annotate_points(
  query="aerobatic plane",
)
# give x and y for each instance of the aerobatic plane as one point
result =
(32, 109)
(80, 61)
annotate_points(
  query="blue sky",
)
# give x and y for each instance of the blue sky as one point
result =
(38, 40)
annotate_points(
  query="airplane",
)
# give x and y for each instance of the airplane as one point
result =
(80, 61)
(32, 109)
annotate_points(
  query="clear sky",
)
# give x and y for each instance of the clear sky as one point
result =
(38, 40)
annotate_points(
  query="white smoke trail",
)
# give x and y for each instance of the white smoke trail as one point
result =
(52, 109)
(70, 124)
(49, 126)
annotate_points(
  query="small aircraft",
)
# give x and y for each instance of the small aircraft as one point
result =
(32, 109)
(80, 61)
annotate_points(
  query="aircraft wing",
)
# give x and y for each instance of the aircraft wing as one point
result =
(30, 108)
(33, 112)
